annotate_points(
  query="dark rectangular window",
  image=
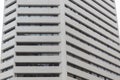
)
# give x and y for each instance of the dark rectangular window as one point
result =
(37, 64)
(36, 75)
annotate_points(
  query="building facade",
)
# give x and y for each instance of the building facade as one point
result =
(60, 40)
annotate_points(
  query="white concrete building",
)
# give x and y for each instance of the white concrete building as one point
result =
(60, 40)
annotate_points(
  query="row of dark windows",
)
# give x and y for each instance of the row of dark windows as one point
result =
(27, 24)
(78, 21)
(10, 4)
(37, 43)
(8, 78)
(9, 30)
(7, 59)
(31, 54)
(38, 6)
(8, 48)
(29, 34)
(104, 7)
(95, 48)
(94, 22)
(87, 71)
(97, 9)
(38, 15)
(75, 76)
(88, 43)
(109, 24)
(68, 24)
(84, 33)
(108, 3)
(10, 12)
(91, 54)
(6, 69)
(37, 24)
(11, 47)
(87, 10)
(91, 63)
(94, 38)
(9, 21)
(37, 34)
(112, 0)
(37, 74)
(37, 53)
(8, 39)
(37, 64)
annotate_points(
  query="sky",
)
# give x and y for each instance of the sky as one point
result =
(118, 12)
(2, 10)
